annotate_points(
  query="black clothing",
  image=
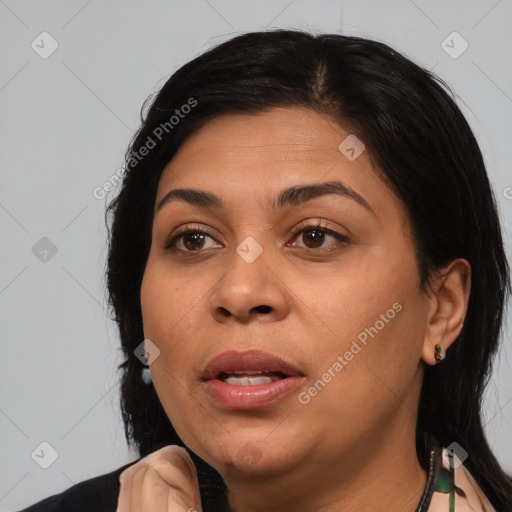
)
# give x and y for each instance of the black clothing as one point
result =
(99, 494)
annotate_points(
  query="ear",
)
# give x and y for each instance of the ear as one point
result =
(447, 305)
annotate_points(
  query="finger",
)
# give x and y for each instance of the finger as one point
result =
(151, 494)
(164, 480)
(176, 466)
(170, 481)
(143, 489)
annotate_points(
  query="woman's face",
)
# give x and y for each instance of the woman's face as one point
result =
(343, 309)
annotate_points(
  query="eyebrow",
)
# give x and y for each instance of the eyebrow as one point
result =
(288, 197)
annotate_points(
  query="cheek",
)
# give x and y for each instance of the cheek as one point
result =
(375, 316)
(354, 297)
(169, 319)
(170, 313)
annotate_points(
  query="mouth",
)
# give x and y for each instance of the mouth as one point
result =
(249, 380)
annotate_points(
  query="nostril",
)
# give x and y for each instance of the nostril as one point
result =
(263, 309)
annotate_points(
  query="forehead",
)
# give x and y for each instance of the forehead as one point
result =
(235, 143)
(253, 156)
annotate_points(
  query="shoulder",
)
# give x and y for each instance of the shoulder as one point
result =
(99, 494)
(456, 489)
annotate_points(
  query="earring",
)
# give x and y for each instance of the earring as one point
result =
(146, 376)
(439, 355)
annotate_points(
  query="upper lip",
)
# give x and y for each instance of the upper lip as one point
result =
(250, 360)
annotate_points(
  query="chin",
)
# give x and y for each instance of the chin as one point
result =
(254, 455)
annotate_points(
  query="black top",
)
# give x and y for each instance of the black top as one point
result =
(99, 494)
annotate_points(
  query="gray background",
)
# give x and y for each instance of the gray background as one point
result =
(66, 121)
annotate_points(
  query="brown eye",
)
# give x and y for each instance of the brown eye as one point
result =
(191, 240)
(314, 237)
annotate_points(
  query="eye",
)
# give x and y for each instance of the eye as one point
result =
(191, 239)
(314, 236)
(194, 239)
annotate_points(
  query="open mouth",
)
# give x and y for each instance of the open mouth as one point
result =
(250, 378)
(250, 368)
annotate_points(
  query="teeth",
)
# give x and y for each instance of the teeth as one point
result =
(250, 377)
(244, 380)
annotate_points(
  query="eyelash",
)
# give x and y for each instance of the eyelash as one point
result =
(320, 225)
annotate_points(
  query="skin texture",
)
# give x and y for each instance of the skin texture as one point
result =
(352, 445)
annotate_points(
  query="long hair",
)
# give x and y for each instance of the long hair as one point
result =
(424, 149)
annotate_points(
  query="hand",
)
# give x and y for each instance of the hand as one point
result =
(164, 481)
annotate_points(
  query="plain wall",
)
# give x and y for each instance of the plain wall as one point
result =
(66, 121)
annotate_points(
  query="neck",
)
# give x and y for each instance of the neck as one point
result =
(378, 475)
(397, 485)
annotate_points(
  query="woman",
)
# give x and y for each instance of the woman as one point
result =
(308, 244)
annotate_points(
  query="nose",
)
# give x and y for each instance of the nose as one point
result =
(250, 291)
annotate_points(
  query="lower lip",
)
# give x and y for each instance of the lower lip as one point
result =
(250, 397)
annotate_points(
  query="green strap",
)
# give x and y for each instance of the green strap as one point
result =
(452, 478)
(446, 482)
